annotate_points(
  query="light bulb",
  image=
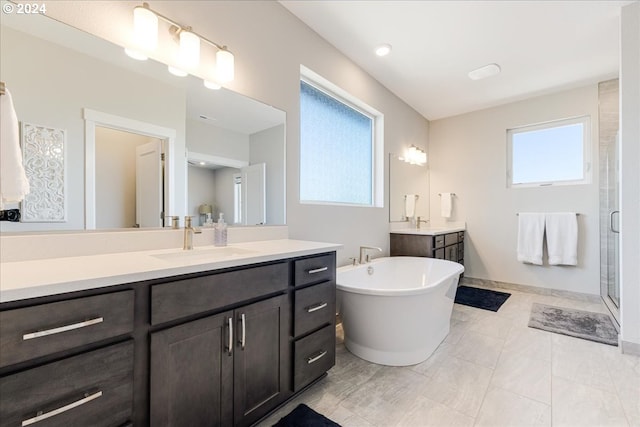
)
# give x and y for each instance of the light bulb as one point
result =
(224, 66)
(189, 51)
(177, 71)
(145, 33)
(211, 85)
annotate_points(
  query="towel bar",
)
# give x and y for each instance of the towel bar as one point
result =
(453, 194)
(577, 214)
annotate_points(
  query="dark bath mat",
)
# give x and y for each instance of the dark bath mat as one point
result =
(481, 298)
(575, 323)
(303, 416)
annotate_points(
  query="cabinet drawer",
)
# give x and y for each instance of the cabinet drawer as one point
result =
(94, 388)
(30, 332)
(439, 253)
(460, 251)
(313, 356)
(438, 241)
(450, 239)
(460, 236)
(181, 298)
(314, 307)
(314, 270)
(451, 253)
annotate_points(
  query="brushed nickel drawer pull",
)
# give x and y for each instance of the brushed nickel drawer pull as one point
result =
(243, 336)
(316, 358)
(316, 307)
(65, 328)
(62, 409)
(318, 270)
(230, 349)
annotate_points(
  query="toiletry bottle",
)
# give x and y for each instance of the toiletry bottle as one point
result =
(220, 233)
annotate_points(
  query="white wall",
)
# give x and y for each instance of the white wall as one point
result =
(53, 94)
(266, 147)
(269, 45)
(468, 156)
(216, 141)
(630, 177)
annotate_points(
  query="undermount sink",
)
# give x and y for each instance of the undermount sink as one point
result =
(208, 254)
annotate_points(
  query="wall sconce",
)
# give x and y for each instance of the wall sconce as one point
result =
(415, 156)
(145, 31)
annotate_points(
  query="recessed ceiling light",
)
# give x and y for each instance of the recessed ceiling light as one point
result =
(484, 72)
(383, 50)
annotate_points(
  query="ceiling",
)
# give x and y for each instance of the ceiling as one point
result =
(541, 46)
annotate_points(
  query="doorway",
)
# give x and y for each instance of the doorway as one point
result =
(95, 119)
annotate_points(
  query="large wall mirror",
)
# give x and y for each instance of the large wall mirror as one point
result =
(407, 181)
(139, 143)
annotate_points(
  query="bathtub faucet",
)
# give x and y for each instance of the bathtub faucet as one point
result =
(364, 257)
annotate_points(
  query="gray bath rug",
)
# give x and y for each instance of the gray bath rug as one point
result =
(575, 323)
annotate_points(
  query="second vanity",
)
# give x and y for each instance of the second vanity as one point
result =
(195, 342)
(439, 242)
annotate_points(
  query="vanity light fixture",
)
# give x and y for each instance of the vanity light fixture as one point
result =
(145, 23)
(484, 72)
(383, 49)
(415, 156)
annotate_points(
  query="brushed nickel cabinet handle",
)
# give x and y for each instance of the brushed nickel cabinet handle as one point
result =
(313, 359)
(318, 270)
(65, 408)
(60, 329)
(316, 307)
(243, 336)
(230, 349)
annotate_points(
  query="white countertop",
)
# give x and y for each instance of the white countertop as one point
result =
(36, 278)
(429, 231)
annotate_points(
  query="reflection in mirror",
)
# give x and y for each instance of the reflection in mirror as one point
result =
(405, 180)
(57, 73)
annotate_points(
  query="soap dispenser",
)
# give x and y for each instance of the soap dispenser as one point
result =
(220, 232)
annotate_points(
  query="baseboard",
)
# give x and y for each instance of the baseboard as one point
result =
(632, 348)
(494, 284)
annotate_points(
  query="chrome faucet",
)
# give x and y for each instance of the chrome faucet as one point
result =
(419, 220)
(364, 257)
(189, 231)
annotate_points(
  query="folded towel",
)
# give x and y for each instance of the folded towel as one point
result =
(530, 237)
(410, 205)
(562, 238)
(446, 204)
(13, 180)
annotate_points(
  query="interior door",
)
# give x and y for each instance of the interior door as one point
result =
(254, 206)
(149, 184)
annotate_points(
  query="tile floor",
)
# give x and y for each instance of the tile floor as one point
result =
(492, 370)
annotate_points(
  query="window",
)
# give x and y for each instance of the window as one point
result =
(339, 155)
(553, 153)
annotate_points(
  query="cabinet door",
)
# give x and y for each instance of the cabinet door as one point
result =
(262, 361)
(192, 374)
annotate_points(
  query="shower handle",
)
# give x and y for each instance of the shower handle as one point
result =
(613, 230)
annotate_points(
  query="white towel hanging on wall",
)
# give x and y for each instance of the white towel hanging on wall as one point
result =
(13, 180)
(446, 204)
(410, 205)
(530, 237)
(562, 238)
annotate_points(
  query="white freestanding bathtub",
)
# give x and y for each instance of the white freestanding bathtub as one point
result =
(396, 311)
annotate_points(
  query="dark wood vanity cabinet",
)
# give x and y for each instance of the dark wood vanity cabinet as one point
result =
(449, 246)
(227, 369)
(68, 362)
(223, 347)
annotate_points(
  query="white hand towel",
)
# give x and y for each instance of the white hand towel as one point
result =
(446, 204)
(410, 205)
(13, 180)
(530, 237)
(562, 238)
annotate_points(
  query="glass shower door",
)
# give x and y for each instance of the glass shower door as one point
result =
(610, 236)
